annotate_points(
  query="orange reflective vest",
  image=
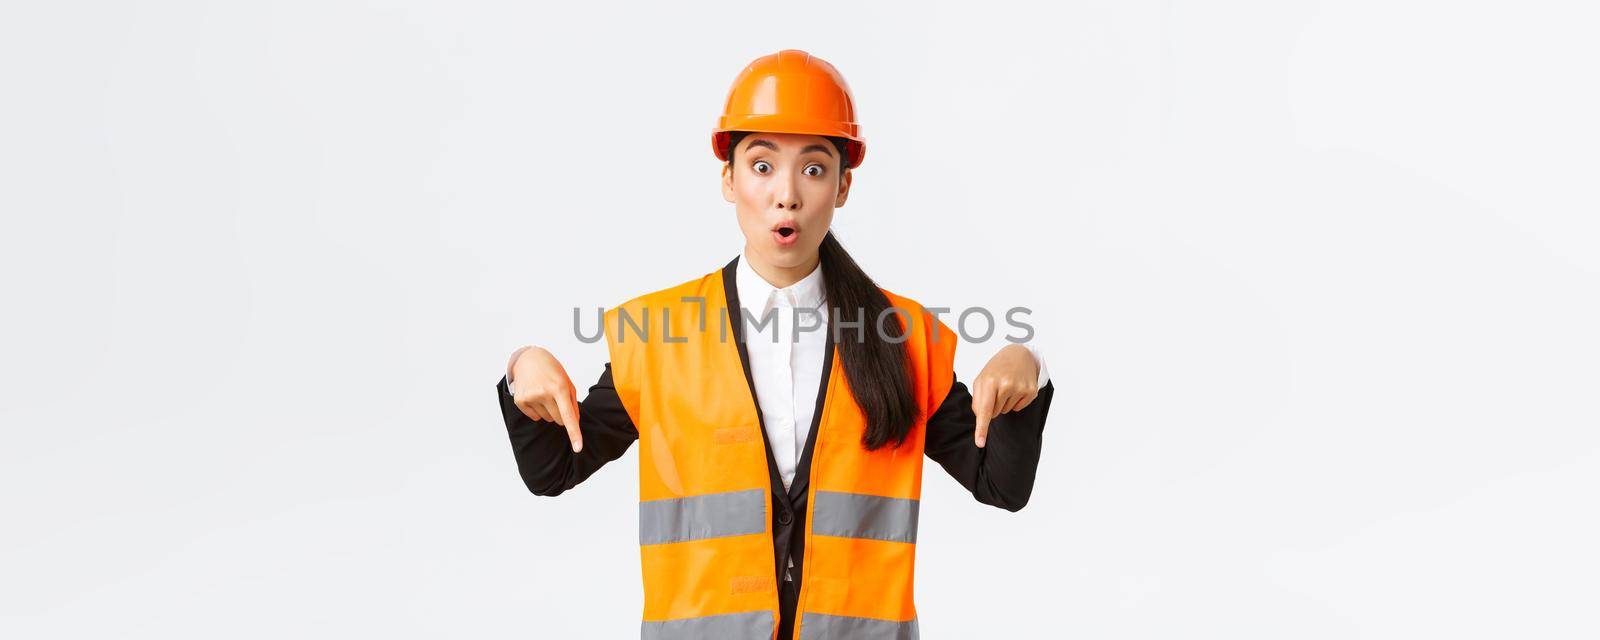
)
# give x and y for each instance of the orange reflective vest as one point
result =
(705, 532)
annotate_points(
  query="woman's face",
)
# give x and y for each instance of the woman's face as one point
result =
(785, 187)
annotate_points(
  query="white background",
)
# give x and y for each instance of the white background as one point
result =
(1318, 283)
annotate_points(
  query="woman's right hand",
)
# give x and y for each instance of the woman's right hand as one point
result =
(543, 391)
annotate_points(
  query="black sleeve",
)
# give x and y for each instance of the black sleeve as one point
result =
(544, 453)
(1001, 473)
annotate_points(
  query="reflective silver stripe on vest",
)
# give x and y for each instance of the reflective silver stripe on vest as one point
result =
(858, 515)
(820, 626)
(755, 625)
(712, 515)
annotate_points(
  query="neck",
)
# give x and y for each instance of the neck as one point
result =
(779, 276)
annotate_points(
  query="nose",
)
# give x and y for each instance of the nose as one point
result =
(787, 195)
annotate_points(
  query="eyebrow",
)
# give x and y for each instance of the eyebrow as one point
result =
(817, 147)
(758, 142)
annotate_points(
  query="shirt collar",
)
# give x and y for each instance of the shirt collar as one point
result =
(757, 295)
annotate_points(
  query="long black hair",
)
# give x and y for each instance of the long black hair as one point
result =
(876, 367)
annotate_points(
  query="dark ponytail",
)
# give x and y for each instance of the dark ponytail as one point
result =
(876, 368)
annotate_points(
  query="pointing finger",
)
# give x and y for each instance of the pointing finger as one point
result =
(983, 408)
(569, 419)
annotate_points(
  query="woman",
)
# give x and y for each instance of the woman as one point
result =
(783, 403)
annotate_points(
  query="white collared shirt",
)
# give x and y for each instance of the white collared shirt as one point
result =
(786, 366)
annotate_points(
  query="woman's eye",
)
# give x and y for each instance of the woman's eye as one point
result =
(761, 167)
(814, 170)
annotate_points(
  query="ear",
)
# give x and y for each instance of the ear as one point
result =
(727, 181)
(844, 189)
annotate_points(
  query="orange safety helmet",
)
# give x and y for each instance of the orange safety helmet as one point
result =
(791, 91)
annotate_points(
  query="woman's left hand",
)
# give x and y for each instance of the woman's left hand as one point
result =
(1008, 383)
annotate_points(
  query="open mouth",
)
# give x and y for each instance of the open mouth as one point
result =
(785, 233)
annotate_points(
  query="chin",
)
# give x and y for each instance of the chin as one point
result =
(792, 256)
